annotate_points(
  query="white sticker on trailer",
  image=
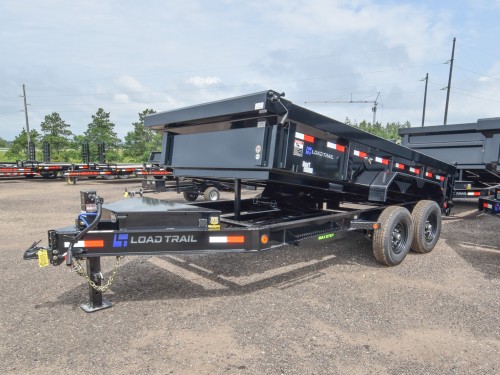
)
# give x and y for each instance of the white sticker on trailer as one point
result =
(259, 106)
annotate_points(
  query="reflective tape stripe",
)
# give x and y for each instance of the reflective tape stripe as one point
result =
(399, 165)
(440, 178)
(414, 170)
(335, 146)
(87, 244)
(361, 154)
(227, 239)
(17, 174)
(428, 174)
(304, 137)
(474, 193)
(381, 160)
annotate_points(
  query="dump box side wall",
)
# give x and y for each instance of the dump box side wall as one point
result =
(228, 149)
(473, 146)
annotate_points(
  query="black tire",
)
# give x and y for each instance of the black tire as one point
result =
(211, 194)
(190, 196)
(123, 176)
(392, 241)
(48, 175)
(108, 177)
(427, 223)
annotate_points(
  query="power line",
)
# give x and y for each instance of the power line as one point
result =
(374, 108)
(480, 74)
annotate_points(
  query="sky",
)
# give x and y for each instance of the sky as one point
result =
(75, 57)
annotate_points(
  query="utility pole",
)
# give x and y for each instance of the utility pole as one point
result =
(449, 82)
(425, 96)
(26, 115)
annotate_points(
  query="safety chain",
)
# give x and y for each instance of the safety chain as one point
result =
(80, 270)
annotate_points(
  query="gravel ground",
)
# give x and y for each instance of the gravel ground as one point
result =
(328, 309)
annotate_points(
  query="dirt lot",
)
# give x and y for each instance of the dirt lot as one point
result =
(328, 309)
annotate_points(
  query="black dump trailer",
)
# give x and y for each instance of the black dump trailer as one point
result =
(473, 147)
(317, 179)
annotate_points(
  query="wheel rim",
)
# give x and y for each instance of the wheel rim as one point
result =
(213, 196)
(430, 228)
(399, 238)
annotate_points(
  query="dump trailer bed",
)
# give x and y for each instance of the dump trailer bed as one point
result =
(318, 179)
(473, 147)
(265, 139)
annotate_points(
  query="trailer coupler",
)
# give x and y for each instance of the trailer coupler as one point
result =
(37, 252)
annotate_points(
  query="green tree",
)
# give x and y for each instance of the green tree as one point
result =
(142, 140)
(57, 133)
(389, 131)
(101, 129)
(19, 148)
(73, 153)
(3, 143)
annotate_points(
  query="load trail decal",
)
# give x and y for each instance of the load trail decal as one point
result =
(124, 240)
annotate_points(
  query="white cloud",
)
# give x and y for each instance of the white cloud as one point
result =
(130, 83)
(203, 81)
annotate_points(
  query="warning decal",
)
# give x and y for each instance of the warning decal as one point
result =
(298, 148)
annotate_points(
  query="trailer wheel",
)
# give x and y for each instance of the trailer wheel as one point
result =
(427, 226)
(211, 194)
(391, 243)
(123, 176)
(108, 177)
(48, 175)
(190, 196)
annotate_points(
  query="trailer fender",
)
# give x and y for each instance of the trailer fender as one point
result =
(385, 182)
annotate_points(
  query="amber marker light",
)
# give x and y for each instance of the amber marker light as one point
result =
(375, 226)
(264, 239)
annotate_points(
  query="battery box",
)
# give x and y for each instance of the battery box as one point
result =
(150, 213)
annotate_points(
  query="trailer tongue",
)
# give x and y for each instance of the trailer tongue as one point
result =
(307, 167)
